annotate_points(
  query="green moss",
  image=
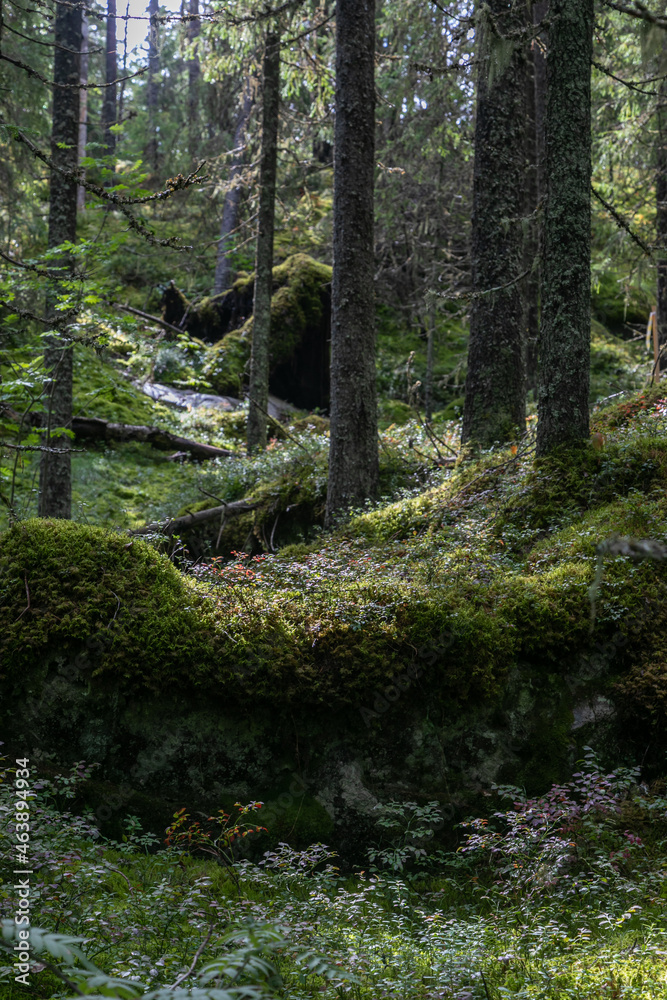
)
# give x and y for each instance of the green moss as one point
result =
(100, 391)
(393, 411)
(227, 361)
(89, 584)
(296, 305)
(487, 571)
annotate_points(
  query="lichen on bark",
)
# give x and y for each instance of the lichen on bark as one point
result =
(566, 310)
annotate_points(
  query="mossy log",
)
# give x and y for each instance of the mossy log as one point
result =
(96, 429)
(195, 518)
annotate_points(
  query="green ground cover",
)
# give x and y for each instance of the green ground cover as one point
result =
(549, 898)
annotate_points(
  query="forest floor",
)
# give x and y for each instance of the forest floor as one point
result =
(556, 898)
(550, 899)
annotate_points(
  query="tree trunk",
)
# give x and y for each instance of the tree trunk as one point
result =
(531, 289)
(661, 210)
(83, 105)
(231, 209)
(55, 475)
(194, 29)
(494, 409)
(109, 112)
(353, 453)
(259, 359)
(121, 96)
(152, 146)
(540, 11)
(566, 289)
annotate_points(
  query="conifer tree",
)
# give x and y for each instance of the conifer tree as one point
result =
(353, 455)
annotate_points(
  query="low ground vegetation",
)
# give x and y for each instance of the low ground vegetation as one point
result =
(548, 897)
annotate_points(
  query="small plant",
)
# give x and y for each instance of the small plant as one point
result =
(409, 827)
(220, 839)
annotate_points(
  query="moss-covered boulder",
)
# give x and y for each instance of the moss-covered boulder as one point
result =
(300, 331)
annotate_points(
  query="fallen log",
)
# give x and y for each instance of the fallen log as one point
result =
(97, 429)
(174, 524)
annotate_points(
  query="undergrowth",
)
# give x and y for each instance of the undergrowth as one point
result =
(555, 896)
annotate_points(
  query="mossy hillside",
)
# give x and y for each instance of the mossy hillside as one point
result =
(329, 626)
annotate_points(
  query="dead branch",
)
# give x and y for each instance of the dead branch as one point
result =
(175, 524)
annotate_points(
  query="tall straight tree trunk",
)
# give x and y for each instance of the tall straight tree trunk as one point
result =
(109, 112)
(495, 397)
(232, 205)
(540, 11)
(353, 452)
(531, 288)
(261, 312)
(83, 105)
(121, 96)
(661, 209)
(152, 145)
(55, 474)
(566, 290)
(194, 30)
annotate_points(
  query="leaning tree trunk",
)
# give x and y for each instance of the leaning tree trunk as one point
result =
(261, 323)
(83, 105)
(661, 210)
(153, 83)
(353, 453)
(495, 397)
(109, 112)
(55, 474)
(566, 289)
(232, 206)
(194, 29)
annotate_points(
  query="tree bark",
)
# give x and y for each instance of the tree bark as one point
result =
(261, 324)
(55, 474)
(152, 145)
(96, 429)
(83, 105)
(531, 289)
(121, 95)
(540, 11)
(566, 289)
(231, 209)
(353, 452)
(172, 525)
(194, 30)
(661, 210)
(109, 110)
(494, 409)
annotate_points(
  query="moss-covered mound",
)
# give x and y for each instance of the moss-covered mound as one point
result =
(300, 323)
(111, 601)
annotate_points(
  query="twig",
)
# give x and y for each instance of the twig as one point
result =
(639, 11)
(283, 429)
(184, 975)
(146, 316)
(25, 578)
(622, 224)
(473, 296)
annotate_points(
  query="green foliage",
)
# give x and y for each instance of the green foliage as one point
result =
(567, 888)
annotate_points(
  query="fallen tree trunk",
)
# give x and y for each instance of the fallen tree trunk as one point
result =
(96, 429)
(174, 524)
